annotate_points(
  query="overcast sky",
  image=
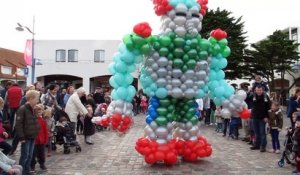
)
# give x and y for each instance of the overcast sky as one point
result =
(112, 19)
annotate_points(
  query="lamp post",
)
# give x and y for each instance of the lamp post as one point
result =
(21, 28)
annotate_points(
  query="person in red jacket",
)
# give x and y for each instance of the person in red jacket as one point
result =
(41, 140)
(12, 99)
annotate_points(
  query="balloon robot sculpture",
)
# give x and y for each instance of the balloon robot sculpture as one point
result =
(178, 66)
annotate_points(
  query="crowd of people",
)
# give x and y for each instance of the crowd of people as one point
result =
(34, 116)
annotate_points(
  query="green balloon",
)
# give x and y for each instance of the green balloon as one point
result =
(139, 41)
(163, 51)
(191, 111)
(192, 53)
(217, 48)
(145, 49)
(156, 45)
(173, 100)
(178, 52)
(182, 112)
(129, 45)
(172, 35)
(171, 108)
(190, 103)
(171, 46)
(226, 52)
(194, 43)
(165, 41)
(127, 38)
(186, 107)
(187, 48)
(161, 121)
(212, 40)
(184, 68)
(204, 44)
(191, 64)
(177, 63)
(170, 56)
(164, 102)
(162, 111)
(223, 43)
(185, 58)
(194, 120)
(203, 55)
(179, 42)
(170, 117)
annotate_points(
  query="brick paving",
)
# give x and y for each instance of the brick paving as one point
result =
(112, 155)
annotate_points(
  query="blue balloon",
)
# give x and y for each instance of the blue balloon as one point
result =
(113, 83)
(111, 68)
(219, 91)
(114, 95)
(155, 105)
(212, 75)
(149, 120)
(200, 93)
(122, 93)
(121, 67)
(220, 75)
(154, 115)
(223, 63)
(119, 79)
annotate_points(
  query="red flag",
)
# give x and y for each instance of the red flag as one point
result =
(28, 52)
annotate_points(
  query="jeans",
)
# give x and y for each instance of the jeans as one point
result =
(39, 153)
(259, 127)
(225, 124)
(12, 113)
(275, 140)
(6, 147)
(14, 143)
(207, 116)
(26, 155)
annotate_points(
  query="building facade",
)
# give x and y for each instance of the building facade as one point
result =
(75, 62)
(12, 67)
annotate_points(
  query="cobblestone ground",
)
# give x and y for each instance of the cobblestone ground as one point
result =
(116, 155)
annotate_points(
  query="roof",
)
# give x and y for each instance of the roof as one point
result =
(12, 58)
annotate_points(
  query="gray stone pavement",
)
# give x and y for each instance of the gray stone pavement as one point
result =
(112, 154)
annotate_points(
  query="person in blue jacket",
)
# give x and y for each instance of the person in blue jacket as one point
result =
(293, 104)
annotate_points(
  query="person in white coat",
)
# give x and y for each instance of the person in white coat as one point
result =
(74, 107)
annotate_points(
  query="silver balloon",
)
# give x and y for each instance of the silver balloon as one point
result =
(203, 65)
(225, 103)
(226, 113)
(193, 138)
(194, 10)
(154, 66)
(169, 126)
(168, 77)
(169, 87)
(161, 141)
(181, 8)
(153, 125)
(113, 104)
(183, 78)
(237, 102)
(189, 93)
(183, 87)
(148, 130)
(176, 73)
(194, 130)
(162, 72)
(201, 75)
(169, 68)
(177, 93)
(155, 56)
(186, 136)
(179, 20)
(161, 132)
(149, 62)
(231, 107)
(180, 31)
(152, 136)
(169, 137)
(119, 103)
(161, 82)
(176, 82)
(172, 14)
(128, 112)
(154, 76)
(189, 83)
(119, 110)
(189, 74)
(172, 26)
(241, 94)
(188, 125)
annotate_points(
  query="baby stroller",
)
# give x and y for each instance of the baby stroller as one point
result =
(287, 154)
(64, 134)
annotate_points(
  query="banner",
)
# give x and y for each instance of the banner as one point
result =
(28, 53)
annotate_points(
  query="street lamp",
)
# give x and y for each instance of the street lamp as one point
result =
(21, 28)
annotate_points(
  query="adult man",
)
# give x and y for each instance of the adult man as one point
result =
(13, 98)
(99, 96)
(259, 118)
(27, 128)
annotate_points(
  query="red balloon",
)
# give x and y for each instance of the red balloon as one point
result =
(127, 120)
(159, 156)
(150, 159)
(142, 142)
(218, 34)
(147, 151)
(208, 151)
(171, 158)
(116, 118)
(245, 114)
(142, 29)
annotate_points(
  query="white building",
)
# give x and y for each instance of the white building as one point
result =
(74, 62)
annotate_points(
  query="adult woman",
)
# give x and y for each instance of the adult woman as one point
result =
(70, 91)
(293, 104)
(74, 107)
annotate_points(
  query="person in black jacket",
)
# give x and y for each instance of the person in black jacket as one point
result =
(260, 118)
(296, 144)
(89, 127)
(99, 96)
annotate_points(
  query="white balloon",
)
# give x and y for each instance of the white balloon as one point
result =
(161, 132)
(161, 141)
(226, 113)
(241, 94)
(153, 125)
(189, 125)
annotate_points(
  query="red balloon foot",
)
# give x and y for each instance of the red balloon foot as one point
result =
(192, 150)
(120, 123)
(154, 152)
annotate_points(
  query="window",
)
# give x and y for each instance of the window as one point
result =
(99, 56)
(60, 55)
(72, 55)
(6, 70)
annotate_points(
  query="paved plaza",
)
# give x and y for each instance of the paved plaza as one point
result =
(112, 154)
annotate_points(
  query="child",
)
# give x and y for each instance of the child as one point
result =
(144, 104)
(218, 116)
(51, 127)
(235, 122)
(41, 140)
(89, 127)
(260, 82)
(275, 124)
(6, 148)
(296, 144)
(9, 166)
